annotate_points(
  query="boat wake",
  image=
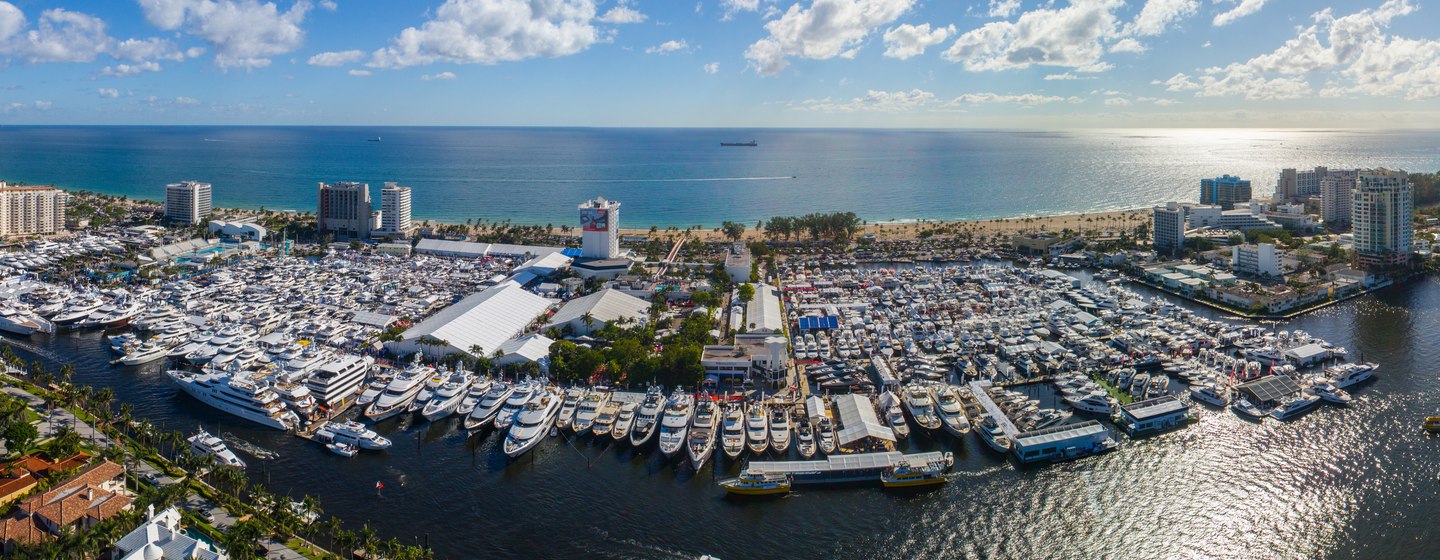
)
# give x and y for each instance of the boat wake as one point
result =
(249, 448)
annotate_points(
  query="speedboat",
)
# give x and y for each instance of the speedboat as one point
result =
(732, 431)
(625, 421)
(342, 449)
(952, 414)
(567, 408)
(489, 406)
(757, 428)
(351, 433)
(701, 442)
(448, 396)
(532, 422)
(588, 409)
(780, 426)
(205, 444)
(675, 423)
(513, 405)
(647, 419)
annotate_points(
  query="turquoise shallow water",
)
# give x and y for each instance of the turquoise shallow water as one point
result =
(683, 177)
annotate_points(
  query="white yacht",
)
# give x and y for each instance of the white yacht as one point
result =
(1328, 392)
(372, 391)
(732, 431)
(427, 393)
(1348, 375)
(647, 419)
(894, 415)
(1297, 406)
(780, 426)
(588, 409)
(145, 353)
(398, 395)
(237, 394)
(921, 408)
(573, 396)
(351, 433)
(675, 423)
(473, 395)
(605, 421)
(701, 442)
(19, 321)
(757, 428)
(524, 392)
(489, 406)
(992, 435)
(952, 414)
(1092, 402)
(447, 398)
(339, 378)
(532, 421)
(77, 311)
(625, 421)
(205, 444)
(1207, 393)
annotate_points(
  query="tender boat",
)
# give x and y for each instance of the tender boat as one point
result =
(732, 431)
(675, 423)
(342, 449)
(205, 444)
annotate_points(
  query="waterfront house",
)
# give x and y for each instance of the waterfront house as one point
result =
(160, 537)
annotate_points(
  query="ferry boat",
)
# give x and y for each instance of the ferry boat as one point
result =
(205, 444)
(701, 442)
(237, 394)
(647, 419)
(908, 476)
(1431, 424)
(756, 483)
(675, 423)
(859, 467)
(489, 406)
(732, 431)
(352, 433)
(532, 422)
(757, 428)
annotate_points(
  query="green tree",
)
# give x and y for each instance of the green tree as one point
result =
(20, 436)
(746, 292)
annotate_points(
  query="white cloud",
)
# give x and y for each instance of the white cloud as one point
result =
(873, 102)
(125, 70)
(1117, 102)
(329, 5)
(336, 58)
(668, 47)
(1072, 36)
(244, 33)
(182, 100)
(622, 13)
(493, 31)
(440, 76)
(1067, 76)
(1128, 45)
(1019, 99)
(1158, 15)
(60, 36)
(908, 40)
(823, 30)
(1244, 8)
(109, 93)
(712, 68)
(135, 50)
(12, 20)
(1003, 8)
(735, 6)
(1161, 101)
(358, 73)
(23, 107)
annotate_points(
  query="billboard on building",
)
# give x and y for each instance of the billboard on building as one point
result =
(595, 219)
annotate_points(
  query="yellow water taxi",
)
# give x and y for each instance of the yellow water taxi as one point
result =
(907, 476)
(1432, 424)
(757, 483)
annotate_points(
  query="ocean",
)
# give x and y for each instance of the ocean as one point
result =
(683, 177)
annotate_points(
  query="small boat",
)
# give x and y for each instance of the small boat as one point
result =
(342, 449)
(1431, 424)
(757, 483)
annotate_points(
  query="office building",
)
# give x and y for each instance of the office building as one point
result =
(31, 210)
(1381, 215)
(1255, 260)
(1224, 191)
(600, 229)
(395, 210)
(1285, 186)
(345, 211)
(1307, 183)
(1336, 196)
(1169, 227)
(187, 202)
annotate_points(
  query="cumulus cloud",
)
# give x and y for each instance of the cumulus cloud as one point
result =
(12, 20)
(1159, 15)
(1003, 8)
(1244, 8)
(1128, 45)
(733, 7)
(712, 68)
(243, 33)
(60, 36)
(1073, 36)
(1117, 102)
(359, 73)
(823, 30)
(336, 58)
(126, 70)
(1361, 57)
(668, 47)
(1028, 99)
(109, 93)
(907, 40)
(872, 102)
(493, 31)
(440, 76)
(154, 48)
(622, 13)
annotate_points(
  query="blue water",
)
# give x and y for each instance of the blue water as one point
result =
(682, 177)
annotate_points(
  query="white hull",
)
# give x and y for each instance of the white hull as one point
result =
(203, 395)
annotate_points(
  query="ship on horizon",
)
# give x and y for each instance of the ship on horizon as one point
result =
(750, 144)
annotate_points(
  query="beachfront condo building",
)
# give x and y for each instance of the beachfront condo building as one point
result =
(345, 210)
(1337, 190)
(395, 210)
(600, 229)
(187, 202)
(28, 210)
(1224, 191)
(1169, 227)
(1381, 214)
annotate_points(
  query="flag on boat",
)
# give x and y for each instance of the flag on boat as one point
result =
(379, 485)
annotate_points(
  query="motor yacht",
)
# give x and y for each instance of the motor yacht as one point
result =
(1244, 407)
(207, 445)
(952, 414)
(757, 427)
(238, 394)
(805, 439)
(1095, 402)
(732, 431)
(473, 395)
(1208, 394)
(397, 396)
(22, 322)
(675, 423)
(703, 432)
(489, 406)
(625, 421)
(1348, 375)
(372, 391)
(352, 433)
(894, 415)
(1328, 392)
(992, 435)
(1296, 406)
(145, 353)
(427, 393)
(524, 392)
(448, 396)
(825, 430)
(780, 428)
(647, 419)
(605, 421)
(532, 421)
(588, 409)
(573, 396)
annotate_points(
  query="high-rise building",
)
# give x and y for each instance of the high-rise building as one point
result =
(1168, 228)
(1285, 186)
(345, 210)
(187, 202)
(31, 210)
(1255, 260)
(395, 210)
(600, 228)
(1337, 189)
(1381, 214)
(1307, 183)
(1224, 191)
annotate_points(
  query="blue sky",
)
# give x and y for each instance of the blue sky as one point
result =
(827, 63)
